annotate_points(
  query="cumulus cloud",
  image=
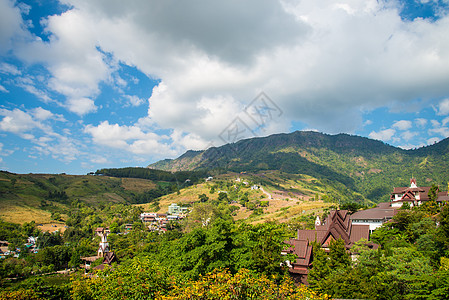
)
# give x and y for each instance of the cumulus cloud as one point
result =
(316, 59)
(11, 25)
(305, 63)
(130, 138)
(403, 125)
(81, 106)
(383, 135)
(17, 121)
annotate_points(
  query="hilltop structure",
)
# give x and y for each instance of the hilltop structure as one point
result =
(337, 225)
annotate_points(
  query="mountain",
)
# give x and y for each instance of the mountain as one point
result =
(359, 168)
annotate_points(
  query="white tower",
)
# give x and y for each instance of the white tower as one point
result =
(104, 245)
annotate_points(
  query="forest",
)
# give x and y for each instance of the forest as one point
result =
(225, 259)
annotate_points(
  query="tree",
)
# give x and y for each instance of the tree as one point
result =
(433, 192)
(338, 256)
(223, 197)
(203, 197)
(352, 207)
(320, 269)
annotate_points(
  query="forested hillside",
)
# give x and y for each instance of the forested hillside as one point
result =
(368, 169)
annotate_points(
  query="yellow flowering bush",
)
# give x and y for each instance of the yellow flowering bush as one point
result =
(243, 285)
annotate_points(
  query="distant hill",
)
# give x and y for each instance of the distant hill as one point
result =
(38, 197)
(358, 168)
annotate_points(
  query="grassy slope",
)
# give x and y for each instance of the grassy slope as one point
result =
(24, 198)
(291, 197)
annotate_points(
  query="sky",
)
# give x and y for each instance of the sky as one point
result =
(91, 84)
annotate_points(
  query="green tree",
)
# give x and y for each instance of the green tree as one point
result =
(203, 198)
(320, 269)
(338, 256)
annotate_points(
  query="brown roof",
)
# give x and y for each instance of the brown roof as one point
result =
(359, 232)
(443, 198)
(109, 257)
(382, 205)
(376, 213)
(311, 235)
(302, 250)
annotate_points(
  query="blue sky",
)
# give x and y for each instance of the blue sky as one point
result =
(97, 84)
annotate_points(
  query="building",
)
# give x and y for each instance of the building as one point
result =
(374, 217)
(337, 225)
(175, 209)
(158, 222)
(102, 252)
(413, 195)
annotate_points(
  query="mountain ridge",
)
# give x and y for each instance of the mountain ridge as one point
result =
(364, 166)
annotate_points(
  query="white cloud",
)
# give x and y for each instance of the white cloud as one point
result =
(31, 126)
(17, 121)
(408, 135)
(445, 121)
(9, 69)
(383, 135)
(40, 94)
(10, 25)
(443, 131)
(317, 59)
(41, 114)
(403, 125)
(435, 123)
(421, 122)
(81, 106)
(134, 100)
(3, 89)
(433, 140)
(129, 138)
(443, 107)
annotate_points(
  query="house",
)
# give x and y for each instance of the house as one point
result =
(374, 217)
(413, 195)
(158, 222)
(337, 225)
(102, 252)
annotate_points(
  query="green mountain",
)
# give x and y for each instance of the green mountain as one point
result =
(353, 167)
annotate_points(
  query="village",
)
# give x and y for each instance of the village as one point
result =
(339, 224)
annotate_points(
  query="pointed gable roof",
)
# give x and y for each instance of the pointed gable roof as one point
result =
(408, 195)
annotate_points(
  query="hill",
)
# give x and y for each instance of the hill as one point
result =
(46, 197)
(355, 168)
